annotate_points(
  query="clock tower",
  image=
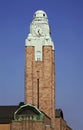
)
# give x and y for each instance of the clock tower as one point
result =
(39, 66)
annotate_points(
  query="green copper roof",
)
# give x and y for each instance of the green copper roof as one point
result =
(28, 112)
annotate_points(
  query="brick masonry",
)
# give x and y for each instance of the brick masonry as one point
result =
(39, 81)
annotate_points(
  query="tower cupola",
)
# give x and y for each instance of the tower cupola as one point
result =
(40, 15)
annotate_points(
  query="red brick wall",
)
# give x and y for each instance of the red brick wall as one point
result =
(28, 74)
(44, 71)
(15, 126)
(57, 124)
(27, 125)
(60, 124)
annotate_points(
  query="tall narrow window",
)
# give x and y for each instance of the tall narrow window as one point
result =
(38, 93)
(38, 55)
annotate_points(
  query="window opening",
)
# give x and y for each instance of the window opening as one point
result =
(38, 93)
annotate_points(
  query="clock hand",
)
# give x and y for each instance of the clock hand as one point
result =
(39, 32)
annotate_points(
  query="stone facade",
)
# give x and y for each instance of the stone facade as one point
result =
(60, 124)
(39, 81)
(30, 125)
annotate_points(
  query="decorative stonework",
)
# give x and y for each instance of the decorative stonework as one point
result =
(39, 35)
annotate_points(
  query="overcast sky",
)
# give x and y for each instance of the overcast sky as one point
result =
(66, 21)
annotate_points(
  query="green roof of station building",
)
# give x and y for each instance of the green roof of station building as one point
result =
(28, 112)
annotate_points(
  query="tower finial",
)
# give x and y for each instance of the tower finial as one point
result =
(40, 14)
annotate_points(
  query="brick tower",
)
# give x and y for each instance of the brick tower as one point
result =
(39, 66)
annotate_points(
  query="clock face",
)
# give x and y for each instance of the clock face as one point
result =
(38, 31)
